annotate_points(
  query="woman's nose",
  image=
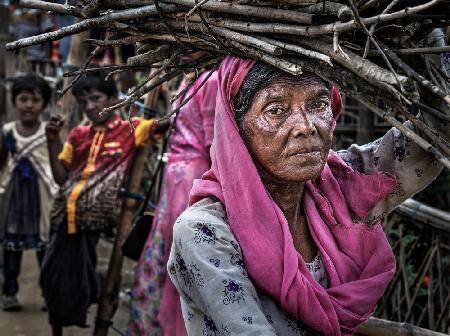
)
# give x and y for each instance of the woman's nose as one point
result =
(303, 125)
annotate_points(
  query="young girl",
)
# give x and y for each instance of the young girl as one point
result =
(26, 182)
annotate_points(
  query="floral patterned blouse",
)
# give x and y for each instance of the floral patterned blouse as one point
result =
(206, 262)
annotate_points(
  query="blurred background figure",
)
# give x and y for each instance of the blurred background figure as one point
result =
(155, 304)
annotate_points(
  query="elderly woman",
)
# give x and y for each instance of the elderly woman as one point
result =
(283, 234)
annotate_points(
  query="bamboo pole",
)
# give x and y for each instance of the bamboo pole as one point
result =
(380, 327)
(425, 214)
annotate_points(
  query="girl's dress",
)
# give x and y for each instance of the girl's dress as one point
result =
(26, 190)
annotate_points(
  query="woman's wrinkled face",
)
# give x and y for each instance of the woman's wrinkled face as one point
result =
(288, 128)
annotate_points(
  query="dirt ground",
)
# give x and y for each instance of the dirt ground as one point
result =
(32, 321)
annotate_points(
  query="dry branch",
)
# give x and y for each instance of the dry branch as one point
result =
(161, 53)
(47, 6)
(414, 51)
(233, 8)
(88, 24)
(364, 68)
(285, 65)
(341, 11)
(299, 50)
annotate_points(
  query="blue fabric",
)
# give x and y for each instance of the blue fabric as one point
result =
(10, 143)
(11, 270)
(23, 214)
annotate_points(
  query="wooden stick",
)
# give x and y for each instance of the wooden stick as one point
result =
(427, 109)
(47, 6)
(170, 38)
(161, 53)
(430, 133)
(88, 24)
(371, 72)
(413, 51)
(252, 11)
(197, 5)
(153, 73)
(369, 4)
(235, 36)
(298, 49)
(109, 67)
(280, 63)
(125, 3)
(341, 11)
(123, 41)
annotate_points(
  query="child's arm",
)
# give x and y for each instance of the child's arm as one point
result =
(60, 173)
(162, 126)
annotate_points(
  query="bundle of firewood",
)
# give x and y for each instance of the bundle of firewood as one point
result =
(389, 49)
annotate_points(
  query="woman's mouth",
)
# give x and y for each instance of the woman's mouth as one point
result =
(305, 153)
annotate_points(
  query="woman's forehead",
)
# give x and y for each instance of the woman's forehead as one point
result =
(310, 85)
(303, 79)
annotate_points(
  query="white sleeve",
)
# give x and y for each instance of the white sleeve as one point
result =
(394, 154)
(206, 266)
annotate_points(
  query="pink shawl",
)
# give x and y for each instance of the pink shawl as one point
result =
(357, 257)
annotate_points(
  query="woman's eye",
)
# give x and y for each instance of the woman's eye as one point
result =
(320, 104)
(276, 111)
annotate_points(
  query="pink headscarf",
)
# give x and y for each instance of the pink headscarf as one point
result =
(357, 257)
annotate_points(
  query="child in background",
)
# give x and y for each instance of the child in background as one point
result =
(90, 169)
(26, 182)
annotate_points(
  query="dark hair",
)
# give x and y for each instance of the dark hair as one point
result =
(30, 83)
(260, 75)
(95, 80)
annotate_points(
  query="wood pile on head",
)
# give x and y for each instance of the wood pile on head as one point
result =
(390, 49)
